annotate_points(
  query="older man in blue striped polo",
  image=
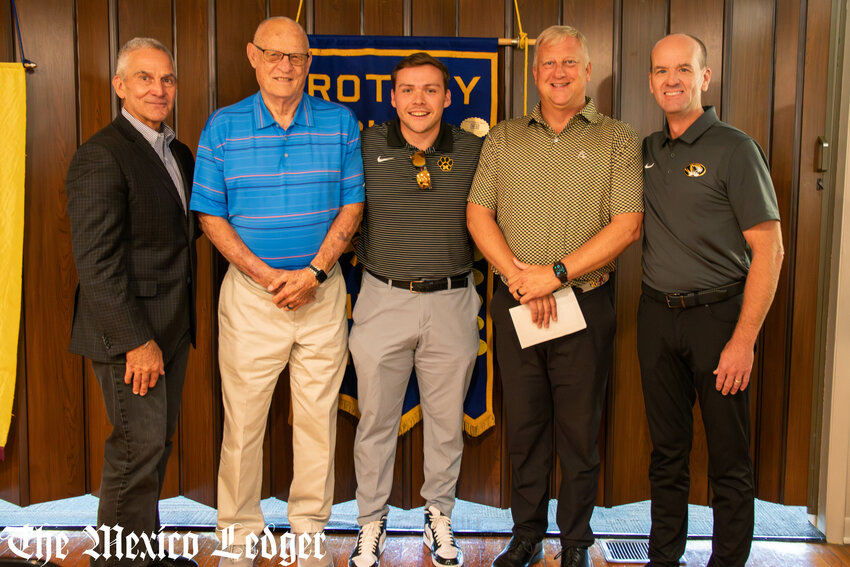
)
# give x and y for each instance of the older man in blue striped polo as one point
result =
(279, 191)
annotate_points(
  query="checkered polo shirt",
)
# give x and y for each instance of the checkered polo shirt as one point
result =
(551, 191)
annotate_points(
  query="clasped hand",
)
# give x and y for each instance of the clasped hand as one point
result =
(292, 289)
(533, 285)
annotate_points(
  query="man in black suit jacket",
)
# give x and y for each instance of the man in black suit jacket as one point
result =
(133, 244)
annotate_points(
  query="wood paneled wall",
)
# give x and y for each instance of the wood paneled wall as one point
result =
(769, 78)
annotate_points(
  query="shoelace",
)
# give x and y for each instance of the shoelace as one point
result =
(573, 551)
(442, 528)
(371, 532)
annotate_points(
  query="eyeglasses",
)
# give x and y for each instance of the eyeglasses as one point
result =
(423, 176)
(272, 56)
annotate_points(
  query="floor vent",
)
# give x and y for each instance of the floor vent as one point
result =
(629, 551)
(625, 550)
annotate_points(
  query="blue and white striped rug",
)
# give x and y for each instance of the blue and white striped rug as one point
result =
(772, 521)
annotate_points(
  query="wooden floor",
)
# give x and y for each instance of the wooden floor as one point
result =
(408, 551)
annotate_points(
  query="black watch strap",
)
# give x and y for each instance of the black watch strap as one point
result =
(321, 276)
(561, 272)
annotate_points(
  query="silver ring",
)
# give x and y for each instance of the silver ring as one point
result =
(519, 294)
(288, 306)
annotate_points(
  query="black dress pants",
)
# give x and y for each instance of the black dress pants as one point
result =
(678, 351)
(560, 385)
(136, 452)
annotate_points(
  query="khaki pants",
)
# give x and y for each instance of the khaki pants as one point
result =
(256, 341)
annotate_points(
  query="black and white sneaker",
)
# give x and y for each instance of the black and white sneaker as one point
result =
(370, 544)
(440, 539)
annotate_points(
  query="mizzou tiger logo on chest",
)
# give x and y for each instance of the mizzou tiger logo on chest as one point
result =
(695, 170)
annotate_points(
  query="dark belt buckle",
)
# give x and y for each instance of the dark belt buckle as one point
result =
(415, 282)
(680, 304)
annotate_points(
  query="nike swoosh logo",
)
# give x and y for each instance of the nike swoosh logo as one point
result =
(382, 159)
(645, 166)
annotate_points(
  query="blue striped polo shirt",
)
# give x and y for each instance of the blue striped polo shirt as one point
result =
(279, 189)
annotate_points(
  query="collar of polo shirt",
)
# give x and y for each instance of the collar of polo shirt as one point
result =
(706, 120)
(443, 143)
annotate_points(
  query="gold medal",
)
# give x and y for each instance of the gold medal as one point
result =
(423, 178)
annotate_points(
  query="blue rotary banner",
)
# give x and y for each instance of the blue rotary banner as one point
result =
(355, 71)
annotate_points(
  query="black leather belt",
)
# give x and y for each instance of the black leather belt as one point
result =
(694, 298)
(426, 286)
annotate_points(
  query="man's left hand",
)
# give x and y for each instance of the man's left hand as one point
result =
(294, 288)
(144, 365)
(733, 370)
(532, 282)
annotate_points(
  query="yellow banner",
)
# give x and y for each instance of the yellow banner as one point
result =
(13, 116)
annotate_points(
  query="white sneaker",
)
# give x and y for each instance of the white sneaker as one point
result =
(316, 554)
(440, 539)
(239, 557)
(370, 544)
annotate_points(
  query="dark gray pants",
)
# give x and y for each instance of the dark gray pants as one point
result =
(679, 350)
(136, 452)
(558, 384)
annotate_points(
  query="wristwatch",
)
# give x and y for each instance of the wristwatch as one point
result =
(321, 276)
(561, 272)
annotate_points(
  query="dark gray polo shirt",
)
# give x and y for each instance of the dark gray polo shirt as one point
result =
(410, 233)
(701, 191)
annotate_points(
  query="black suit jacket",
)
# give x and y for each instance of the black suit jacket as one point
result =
(133, 245)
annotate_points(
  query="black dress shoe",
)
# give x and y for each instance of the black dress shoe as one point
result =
(575, 557)
(519, 553)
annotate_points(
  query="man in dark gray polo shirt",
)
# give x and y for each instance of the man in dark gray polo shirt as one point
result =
(418, 306)
(712, 252)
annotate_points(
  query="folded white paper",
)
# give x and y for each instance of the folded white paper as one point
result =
(570, 320)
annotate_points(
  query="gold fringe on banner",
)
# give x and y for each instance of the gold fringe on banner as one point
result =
(477, 426)
(348, 404)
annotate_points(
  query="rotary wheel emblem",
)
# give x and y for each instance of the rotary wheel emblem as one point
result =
(445, 163)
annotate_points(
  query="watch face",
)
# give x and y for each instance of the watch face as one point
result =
(321, 276)
(560, 271)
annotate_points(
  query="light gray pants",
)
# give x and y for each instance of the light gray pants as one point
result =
(394, 331)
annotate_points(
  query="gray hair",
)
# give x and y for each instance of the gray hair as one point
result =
(140, 43)
(557, 34)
